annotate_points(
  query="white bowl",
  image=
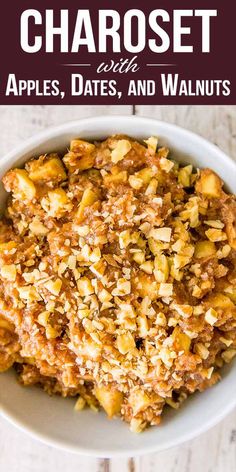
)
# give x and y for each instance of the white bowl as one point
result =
(53, 419)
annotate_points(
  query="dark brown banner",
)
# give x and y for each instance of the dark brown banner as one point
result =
(87, 52)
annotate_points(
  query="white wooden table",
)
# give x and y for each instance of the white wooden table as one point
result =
(214, 451)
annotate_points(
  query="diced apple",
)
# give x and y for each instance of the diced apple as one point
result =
(110, 399)
(46, 170)
(184, 176)
(231, 233)
(8, 272)
(151, 143)
(231, 293)
(145, 175)
(147, 267)
(18, 182)
(146, 286)
(218, 300)
(6, 248)
(204, 249)
(80, 146)
(161, 234)
(209, 184)
(161, 272)
(139, 257)
(125, 342)
(152, 187)
(37, 227)
(51, 333)
(57, 199)
(73, 161)
(122, 148)
(139, 401)
(156, 247)
(85, 287)
(54, 286)
(119, 178)
(135, 182)
(89, 197)
(181, 339)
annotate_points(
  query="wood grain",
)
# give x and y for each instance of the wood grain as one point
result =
(214, 451)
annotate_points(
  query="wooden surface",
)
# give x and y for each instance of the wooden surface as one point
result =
(214, 451)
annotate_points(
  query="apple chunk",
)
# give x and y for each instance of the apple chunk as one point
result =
(110, 399)
(209, 184)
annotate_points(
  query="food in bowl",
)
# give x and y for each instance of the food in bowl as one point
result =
(118, 281)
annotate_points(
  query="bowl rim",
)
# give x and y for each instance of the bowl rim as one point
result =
(37, 140)
(53, 131)
(114, 453)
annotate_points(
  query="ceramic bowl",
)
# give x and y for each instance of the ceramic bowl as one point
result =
(53, 419)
